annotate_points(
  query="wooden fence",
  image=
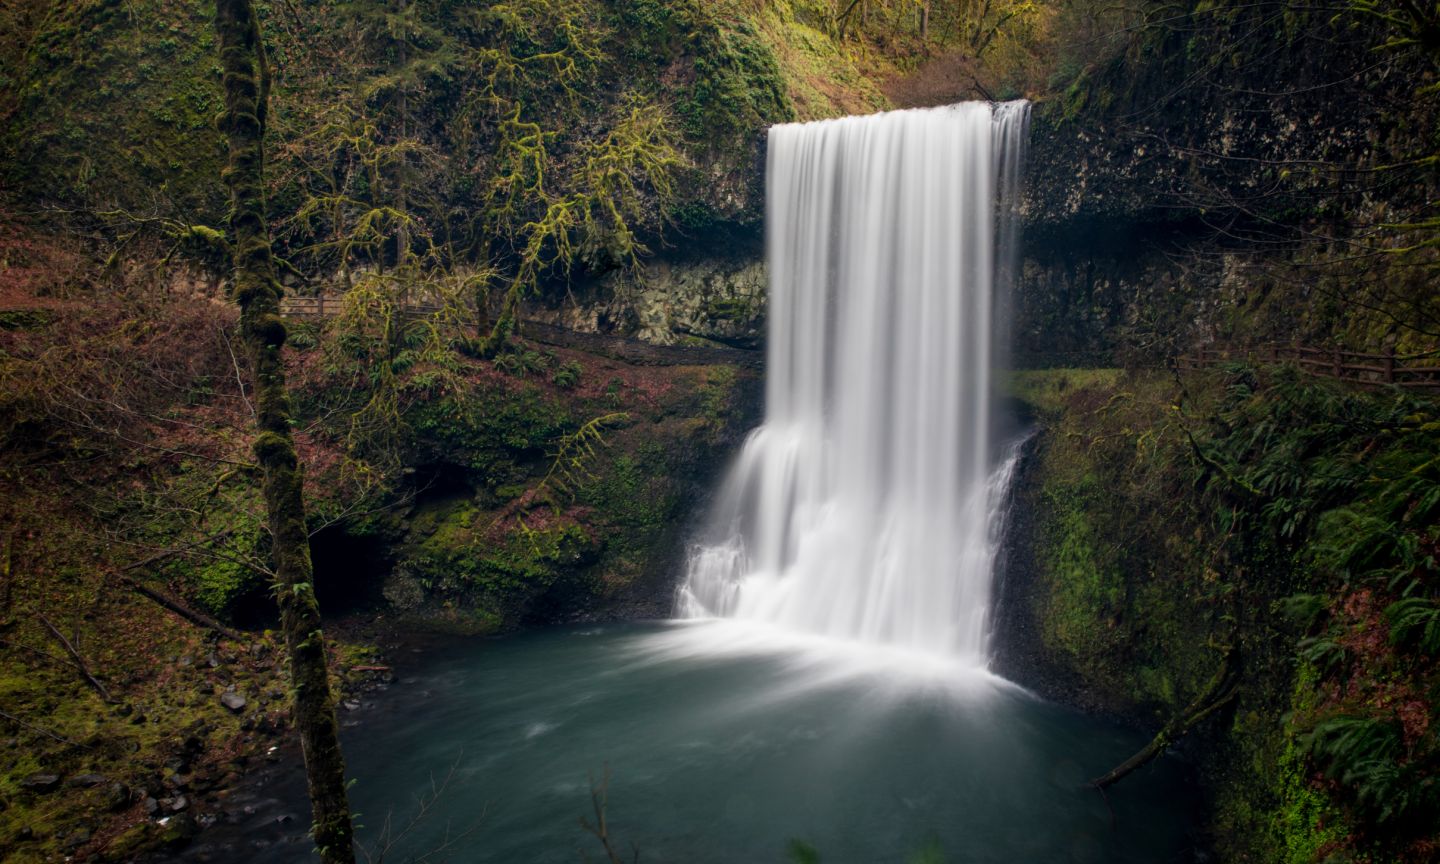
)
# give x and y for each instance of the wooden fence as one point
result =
(1416, 371)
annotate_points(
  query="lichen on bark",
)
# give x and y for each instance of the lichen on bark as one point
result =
(246, 83)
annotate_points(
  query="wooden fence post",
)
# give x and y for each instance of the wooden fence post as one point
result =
(1339, 372)
(1390, 365)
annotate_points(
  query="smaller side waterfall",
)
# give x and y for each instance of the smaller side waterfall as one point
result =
(865, 507)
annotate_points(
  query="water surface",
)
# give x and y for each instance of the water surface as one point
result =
(725, 742)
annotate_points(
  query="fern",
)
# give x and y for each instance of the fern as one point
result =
(1362, 753)
(1322, 652)
(1305, 610)
(573, 453)
(1415, 621)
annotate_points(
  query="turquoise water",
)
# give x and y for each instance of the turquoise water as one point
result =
(726, 743)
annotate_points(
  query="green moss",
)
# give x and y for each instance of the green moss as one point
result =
(1086, 591)
(498, 437)
(532, 559)
(1307, 822)
(718, 396)
(465, 559)
(738, 85)
(1048, 391)
(116, 103)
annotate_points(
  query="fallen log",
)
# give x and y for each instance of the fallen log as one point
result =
(199, 619)
(76, 660)
(1217, 693)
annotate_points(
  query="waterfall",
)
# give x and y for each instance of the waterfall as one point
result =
(865, 508)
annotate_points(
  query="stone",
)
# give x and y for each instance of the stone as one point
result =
(85, 781)
(180, 830)
(117, 797)
(150, 806)
(179, 803)
(41, 783)
(232, 700)
(75, 839)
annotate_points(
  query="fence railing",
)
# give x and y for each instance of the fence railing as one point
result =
(1418, 371)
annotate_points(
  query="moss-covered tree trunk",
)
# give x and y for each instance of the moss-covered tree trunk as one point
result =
(247, 90)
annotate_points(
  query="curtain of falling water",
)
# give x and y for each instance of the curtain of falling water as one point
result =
(862, 508)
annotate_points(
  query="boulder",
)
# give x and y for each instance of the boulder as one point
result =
(41, 783)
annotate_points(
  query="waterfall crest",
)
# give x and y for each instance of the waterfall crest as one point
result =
(865, 506)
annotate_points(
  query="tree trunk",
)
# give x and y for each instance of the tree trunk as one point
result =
(246, 82)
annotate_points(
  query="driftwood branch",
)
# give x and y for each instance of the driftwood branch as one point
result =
(171, 553)
(600, 828)
(75, 659)
(1216, 694)
(41, 730)
(199, 619)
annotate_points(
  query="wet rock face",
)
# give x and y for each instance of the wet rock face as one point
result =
(1233, 115)
(1151, 181)
(668, 302)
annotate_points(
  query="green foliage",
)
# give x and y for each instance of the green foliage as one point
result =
(1306, 820)
(1287, 452)
(1342, 481)
(494, 437)
(567, 376)
(463, 559)
(1304, 610)
(1279, 512)
(521, 362)
(532, 559)
(570, 469)
(1415, 622)
(1362, 754)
